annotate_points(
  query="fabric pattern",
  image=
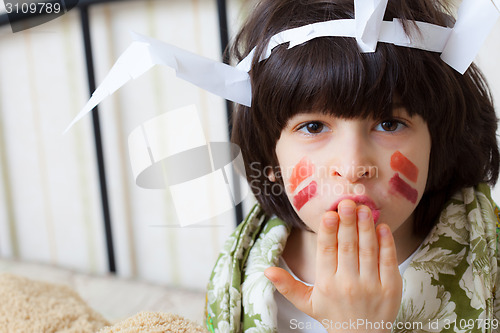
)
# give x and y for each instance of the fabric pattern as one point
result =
(450, 285)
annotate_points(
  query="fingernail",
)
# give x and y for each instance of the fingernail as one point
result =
(363, 213)
(346, 209)
(331, 221)
(271, 278)
(384, 231)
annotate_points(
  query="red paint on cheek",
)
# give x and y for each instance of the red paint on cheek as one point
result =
(302, 170)
(400, 186)
(305, 195)
(400, 163)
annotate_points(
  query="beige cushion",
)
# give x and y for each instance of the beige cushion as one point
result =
(33, 306)
(155, 322)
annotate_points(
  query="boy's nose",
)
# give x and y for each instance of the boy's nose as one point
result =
(354, 174)
(353, 163)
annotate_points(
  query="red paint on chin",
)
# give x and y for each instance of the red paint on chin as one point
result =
(305, 195)
(400, 186)
(302, 170)
(400, 163)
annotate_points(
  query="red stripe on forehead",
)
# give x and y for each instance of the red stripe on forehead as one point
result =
(302, 170)
(400, 163)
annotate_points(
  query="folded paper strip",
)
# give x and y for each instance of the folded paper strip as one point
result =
(458, 47)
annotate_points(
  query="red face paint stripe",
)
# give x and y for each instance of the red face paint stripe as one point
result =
(305, 195)
(302, 170)
(399, 185)
(400, 163)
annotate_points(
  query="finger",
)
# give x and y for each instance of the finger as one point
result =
(368, 247)
(327, 250)
(388, 259)
(347, 238)
(295, 291)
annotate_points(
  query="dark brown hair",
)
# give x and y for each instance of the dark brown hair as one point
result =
(332, 75)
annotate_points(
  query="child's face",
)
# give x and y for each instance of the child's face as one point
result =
(381, 164)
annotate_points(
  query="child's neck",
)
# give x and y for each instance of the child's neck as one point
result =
(300, 249)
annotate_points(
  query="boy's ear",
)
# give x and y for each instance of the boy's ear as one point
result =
(271, 176)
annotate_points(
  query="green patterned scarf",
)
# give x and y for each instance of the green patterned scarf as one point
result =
(450, 285)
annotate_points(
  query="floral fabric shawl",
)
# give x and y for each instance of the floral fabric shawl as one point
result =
(450, 285)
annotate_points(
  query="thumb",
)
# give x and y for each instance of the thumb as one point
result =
(295, 291)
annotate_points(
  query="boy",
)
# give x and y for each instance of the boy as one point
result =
(380, 159)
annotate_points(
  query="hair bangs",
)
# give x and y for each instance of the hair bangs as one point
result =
(328, 75)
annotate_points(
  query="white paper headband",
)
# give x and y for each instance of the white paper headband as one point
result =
(458, 47)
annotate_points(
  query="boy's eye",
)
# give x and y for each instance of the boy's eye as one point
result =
(313, 127)
(391, 125)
